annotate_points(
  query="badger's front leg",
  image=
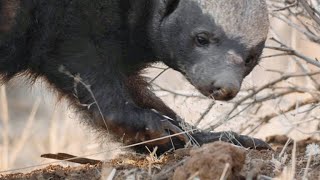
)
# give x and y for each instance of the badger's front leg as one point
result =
(145, 98)
(95, 83)
(114, 110)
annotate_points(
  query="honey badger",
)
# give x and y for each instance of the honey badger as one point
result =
(107, 43)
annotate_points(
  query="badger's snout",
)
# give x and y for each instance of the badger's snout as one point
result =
(224, 91)
(219, 78)
(220, 90)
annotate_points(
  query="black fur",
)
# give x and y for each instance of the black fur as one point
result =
(92, 52)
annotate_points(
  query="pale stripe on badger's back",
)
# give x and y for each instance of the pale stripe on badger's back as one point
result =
(243, 20)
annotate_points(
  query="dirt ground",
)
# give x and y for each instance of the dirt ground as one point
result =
(217, 160)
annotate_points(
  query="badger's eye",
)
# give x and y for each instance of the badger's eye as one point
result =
(202, 40)
(250, 60)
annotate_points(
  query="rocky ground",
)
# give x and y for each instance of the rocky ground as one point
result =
(211, 161)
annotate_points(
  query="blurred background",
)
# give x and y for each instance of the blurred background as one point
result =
(281, 96)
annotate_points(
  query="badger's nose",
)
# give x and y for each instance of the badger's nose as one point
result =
(224, 91)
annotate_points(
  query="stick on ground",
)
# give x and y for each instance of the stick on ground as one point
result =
(71, 158)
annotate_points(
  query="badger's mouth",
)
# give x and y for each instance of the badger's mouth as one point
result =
(221, 94)
(222, 91)
(217, 89)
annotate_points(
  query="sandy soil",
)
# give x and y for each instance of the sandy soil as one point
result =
(211, 161)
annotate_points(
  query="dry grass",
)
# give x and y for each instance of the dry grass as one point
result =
(18, 146)
(57, 130)
(4, 164)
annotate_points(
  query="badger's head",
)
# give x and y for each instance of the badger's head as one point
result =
(214, 43)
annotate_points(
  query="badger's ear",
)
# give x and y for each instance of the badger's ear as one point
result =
(168, 7)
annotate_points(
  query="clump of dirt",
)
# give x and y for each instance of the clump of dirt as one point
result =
(278, 141)
(55, 172)
(301, 157)
(206, 162)
(259, 163)
(213, 161)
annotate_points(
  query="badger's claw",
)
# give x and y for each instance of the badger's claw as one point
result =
(232, 137)
(160, 131)
(176, 130)
(161, 127)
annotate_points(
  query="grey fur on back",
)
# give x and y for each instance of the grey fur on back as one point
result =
(247, 19)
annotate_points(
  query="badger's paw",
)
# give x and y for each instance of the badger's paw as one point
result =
(155, 131)
(231, 137)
